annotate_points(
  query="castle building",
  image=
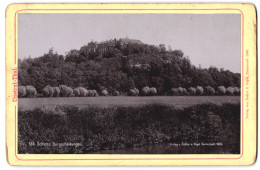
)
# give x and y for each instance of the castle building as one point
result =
(104, 46)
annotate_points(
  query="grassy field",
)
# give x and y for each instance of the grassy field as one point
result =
(177, 101)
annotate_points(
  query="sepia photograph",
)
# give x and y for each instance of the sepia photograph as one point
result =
(129, 83)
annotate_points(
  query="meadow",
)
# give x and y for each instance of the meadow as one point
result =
(107, 101)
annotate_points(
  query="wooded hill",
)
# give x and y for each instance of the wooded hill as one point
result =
(121, 65)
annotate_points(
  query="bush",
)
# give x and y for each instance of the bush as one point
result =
(134, 92)
(90, 93)
(95, 93)
(48, 91)
(153, 91)
(236, 91)
(21, 91)
(70, 92)
(112, 128)
(230, 90)
(104, 93)
(83, 92)
(145, 91)
(199, 90)
(184, 91)
(180, 90)
(174, 92)
(116, 93)
(76, 92)
(192, 91)
(45, 91)
(56, 91)
(65, 91)
(30, 91)
(209, 90)
(222, 90)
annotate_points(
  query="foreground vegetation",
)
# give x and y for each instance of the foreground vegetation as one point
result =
(96, 128)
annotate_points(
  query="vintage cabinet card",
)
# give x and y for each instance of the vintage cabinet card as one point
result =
(130, 84)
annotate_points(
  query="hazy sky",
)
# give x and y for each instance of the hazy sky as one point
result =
(208, 39)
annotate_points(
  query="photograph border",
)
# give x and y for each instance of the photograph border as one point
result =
(192, 157)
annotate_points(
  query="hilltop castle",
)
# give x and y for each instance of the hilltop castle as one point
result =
(104, 46)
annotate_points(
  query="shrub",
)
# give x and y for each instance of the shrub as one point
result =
(116, 93)
(83, 92)
(76, 92)
(104, 93)
(112, 128)
(184, 91)
(230, 90)
(192, 91)
(56, 91)
(95, 93)
(153, 91)
(222, 90)
(132, 92)
(91, 93)
(173, 91)
(70, 92)
(180, 90)
(136, 91)
(21, 91)
(45, 92)
(199, 90)
(145, 91)
(48, 91)
(209, 90)
(236, 91)
(30, 91)
(65, 91)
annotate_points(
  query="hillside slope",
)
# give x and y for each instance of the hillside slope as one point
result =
(121, 65)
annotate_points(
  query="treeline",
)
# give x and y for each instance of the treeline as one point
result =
(65, 91)
(121, 69)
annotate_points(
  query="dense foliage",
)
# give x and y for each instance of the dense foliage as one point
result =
(97, 128)
(120, 69)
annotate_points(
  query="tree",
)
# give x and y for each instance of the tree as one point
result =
(116, 93)
(236, 91)
(174, 92)
(153, 91)
(180, 90)
(145, 91)
(162, 48)
(230, 90)
(192, 91)
(21, 91)
(83, 92)
(222, 90)
(30, 91)
(95, 94)
(65, 91)
(199, 90)
(48, 91)
(56, 91)
(104, 93)
(76, 92)
(209, 90)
